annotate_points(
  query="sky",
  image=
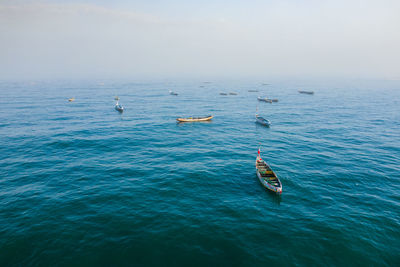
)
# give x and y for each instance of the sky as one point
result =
(199, 39)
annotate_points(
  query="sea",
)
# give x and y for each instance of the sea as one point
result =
(84, 185)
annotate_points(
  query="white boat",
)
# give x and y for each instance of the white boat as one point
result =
(172, 93)
(268, 100)
(262, 121)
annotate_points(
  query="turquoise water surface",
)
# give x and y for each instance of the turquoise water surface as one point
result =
(81, 184)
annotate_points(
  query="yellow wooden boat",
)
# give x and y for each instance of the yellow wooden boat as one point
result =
(192, 119)
(71, 99)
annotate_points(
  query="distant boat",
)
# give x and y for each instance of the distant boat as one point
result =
(232, 93)
(262, 121)
(172, 93)
(119, 107)
(252, 91)
(264, 99)
(223, 93)
(267, 99)
(71, 99)
(193, 119)
(116, 98)
(306, 92)
(265, 84)
(266, 176)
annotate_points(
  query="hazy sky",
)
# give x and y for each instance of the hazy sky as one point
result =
(209, 38)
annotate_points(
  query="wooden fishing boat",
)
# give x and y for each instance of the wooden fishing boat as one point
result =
(172, 93)
(193, 119)
(262, 121)
(266, 175)
(71, 99)
(306, 92)
(264, 99)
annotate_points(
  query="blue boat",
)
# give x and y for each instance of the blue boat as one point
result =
(119, 107)
(262, 121)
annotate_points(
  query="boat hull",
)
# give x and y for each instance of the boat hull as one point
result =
(262, 121)
(194, 119)
(306, 92)
(268, 186)
(264, 100)
(270, 176)
(119, 109)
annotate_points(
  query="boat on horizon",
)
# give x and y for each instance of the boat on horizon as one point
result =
(252, 90)
(233, 93)
(266, 175)
(193, 119)
(223, 93)
(71, 99)
(306, 92)
(172, 93)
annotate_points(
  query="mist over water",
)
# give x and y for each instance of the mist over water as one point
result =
(83, 184)
(83, 39)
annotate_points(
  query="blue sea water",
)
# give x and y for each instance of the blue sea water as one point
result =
(81, 184)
